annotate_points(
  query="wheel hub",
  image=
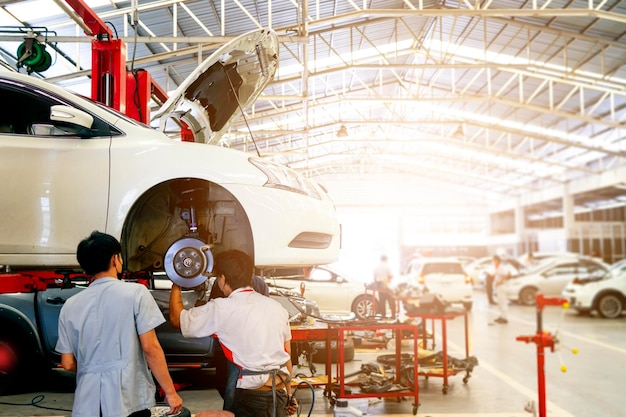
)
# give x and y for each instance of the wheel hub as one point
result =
(188, 262)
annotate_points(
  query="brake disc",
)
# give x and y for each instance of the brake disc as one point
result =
(188, 262)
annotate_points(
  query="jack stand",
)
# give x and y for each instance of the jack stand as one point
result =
(542, 340)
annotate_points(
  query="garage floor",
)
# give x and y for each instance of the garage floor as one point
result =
(501, 385)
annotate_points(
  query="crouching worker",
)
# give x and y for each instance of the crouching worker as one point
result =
(254, 332)
(107, 336)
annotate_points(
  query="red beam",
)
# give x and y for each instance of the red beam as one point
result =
(91, 19)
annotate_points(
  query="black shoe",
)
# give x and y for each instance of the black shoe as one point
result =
(501, 320)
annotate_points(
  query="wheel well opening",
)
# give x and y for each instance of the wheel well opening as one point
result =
(178, 209)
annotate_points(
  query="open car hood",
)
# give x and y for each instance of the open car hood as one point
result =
(228, 81)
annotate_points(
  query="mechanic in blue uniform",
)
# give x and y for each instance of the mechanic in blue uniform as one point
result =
(107, 336)
(254, 332)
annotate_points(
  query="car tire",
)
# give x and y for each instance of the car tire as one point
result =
(527, 296)
(610, 305)
(468, 306)
(319, 354)
(363, 306)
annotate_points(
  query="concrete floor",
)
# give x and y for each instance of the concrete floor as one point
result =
(501, 385)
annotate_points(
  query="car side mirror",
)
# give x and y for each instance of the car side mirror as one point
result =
(71, 115)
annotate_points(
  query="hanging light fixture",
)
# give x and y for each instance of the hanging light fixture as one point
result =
(342, 132)
(460, 132)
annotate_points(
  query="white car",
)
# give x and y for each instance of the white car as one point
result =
(606, 295)
(477, 268)
(551, 276)
(70, 166)
(334, 292)
(443, 276)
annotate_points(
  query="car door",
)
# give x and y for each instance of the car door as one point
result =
(324, 287)
(52, 179)
(49, 304)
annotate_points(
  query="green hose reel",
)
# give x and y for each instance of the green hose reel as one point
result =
(33, 56)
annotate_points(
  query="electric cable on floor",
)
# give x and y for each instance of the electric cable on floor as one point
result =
(35, 403)
(312, 396)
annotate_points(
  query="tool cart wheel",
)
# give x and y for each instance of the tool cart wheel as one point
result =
(444, 389)
(415, 407)
(466, 379)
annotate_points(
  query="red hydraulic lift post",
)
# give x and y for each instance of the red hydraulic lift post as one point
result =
(108, 59)
(111, 83)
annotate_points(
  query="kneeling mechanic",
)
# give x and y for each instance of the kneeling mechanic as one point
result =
(254, 332)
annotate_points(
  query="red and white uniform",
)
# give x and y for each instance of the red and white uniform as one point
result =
(252, 329)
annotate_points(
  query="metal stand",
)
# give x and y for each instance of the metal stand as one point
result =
(542, 340)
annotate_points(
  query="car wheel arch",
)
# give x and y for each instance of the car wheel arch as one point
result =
(19, 339)
(359, 300)
(608, 292)
(523, 291)
(154, 221)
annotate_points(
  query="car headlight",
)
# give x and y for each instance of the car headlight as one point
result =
(279, 176)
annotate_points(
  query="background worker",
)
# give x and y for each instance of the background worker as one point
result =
(254, 332)
(107, 336)
(382, 281)
(501, 274)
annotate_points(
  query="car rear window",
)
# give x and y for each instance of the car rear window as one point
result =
(443, 268)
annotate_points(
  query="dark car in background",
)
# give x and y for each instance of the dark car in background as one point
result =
(29, 330)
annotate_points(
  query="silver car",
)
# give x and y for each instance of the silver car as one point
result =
(551, 276)
(334, 292)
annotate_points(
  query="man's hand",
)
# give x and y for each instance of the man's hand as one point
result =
(292, 406)
(175, 403)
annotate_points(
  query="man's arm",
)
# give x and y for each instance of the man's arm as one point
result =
(156, 361)
(289, 366)
(176, 306)
(292, 406)
(68, 361)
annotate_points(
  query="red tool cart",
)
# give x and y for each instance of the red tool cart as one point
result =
(445, 370)
(399, 330)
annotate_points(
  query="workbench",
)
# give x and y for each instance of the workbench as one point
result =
(445, 371)
(318, 332)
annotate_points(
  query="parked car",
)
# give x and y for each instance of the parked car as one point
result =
(551, 276)
(535, 258)
(334, 292)
(476, 268)
(606, 294)
(443, 276)
(70, 165)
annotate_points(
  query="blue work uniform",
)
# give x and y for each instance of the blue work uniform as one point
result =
(101, 327)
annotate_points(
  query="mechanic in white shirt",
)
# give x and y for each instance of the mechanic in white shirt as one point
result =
(501, 274)
(254, 332)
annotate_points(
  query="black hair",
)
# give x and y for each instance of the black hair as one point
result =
(94, 253)
(236, 266)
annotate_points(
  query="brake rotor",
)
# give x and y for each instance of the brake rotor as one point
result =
(188, 262)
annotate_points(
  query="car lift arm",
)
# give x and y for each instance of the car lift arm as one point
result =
(111, 84)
